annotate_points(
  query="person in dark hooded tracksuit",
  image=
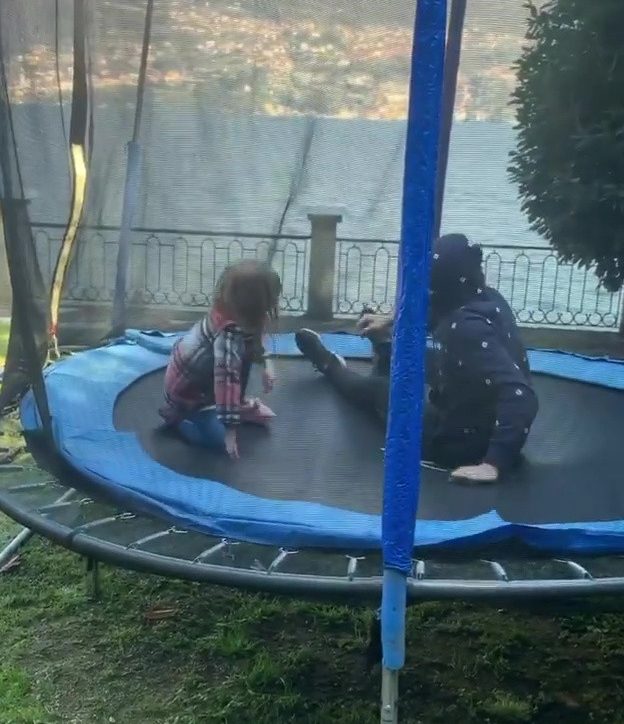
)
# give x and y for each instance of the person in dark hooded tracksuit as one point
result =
(480, 402)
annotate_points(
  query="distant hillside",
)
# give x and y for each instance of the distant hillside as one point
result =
(340, 58)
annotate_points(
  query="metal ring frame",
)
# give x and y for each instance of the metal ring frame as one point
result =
(124, 539)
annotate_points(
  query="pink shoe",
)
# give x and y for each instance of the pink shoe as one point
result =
(256, 412)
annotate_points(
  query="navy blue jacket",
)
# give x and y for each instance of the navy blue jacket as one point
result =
(483, 382)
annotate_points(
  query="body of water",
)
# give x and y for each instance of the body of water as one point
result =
(208, 171)
(205, 170)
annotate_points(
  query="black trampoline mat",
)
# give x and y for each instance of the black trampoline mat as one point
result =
(321, 449)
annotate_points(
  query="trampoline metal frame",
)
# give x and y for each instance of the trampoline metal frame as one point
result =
(576, 580)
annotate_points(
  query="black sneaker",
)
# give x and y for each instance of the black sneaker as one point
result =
(312, 348)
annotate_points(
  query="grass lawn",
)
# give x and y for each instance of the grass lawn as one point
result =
(226, 656)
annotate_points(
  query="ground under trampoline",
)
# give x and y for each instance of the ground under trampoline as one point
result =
(314, 479)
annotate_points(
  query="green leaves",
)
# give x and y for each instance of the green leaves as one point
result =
(569, 159)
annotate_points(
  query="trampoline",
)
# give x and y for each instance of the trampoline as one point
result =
(313, 136)
(565, 497)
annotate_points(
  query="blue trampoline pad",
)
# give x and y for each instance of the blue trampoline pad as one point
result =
(315, 478)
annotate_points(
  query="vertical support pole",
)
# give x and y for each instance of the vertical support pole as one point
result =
(389, 696)
(393, 609)
(26, 534)
(5, 281)
(449, 90)
(131, 193)
(93, 579)
(322, 274)
(403, 439)
(13, 547)
(27, 342)
(131, 188)
(29, 318)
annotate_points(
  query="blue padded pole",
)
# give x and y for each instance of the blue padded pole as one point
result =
(130, 199)
(403, 441)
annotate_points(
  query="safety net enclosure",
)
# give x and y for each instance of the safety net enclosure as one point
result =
(146, 146)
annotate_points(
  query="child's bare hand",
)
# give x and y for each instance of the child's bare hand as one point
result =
(231, 443)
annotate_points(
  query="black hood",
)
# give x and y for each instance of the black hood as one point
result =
(456, 275)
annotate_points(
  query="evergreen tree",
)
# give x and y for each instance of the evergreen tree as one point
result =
(569, 104)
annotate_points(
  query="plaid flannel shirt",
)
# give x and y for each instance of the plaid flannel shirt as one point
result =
(205, 370)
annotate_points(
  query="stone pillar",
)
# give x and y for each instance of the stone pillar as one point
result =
(321, 281)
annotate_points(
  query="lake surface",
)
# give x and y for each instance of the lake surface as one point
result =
(207, 171)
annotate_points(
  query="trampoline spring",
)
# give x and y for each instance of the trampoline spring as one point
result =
(125, 516)
(352, 566)
(498, 570)
(149, 538)
(279, 559)
(576, 568)
(223, 546)
(95, 523)
(63, 504)
(11, 468)
(209, 552)
(27, 486)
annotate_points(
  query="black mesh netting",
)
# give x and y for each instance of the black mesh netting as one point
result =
(34, 176)
(258, 118)
(255, 115)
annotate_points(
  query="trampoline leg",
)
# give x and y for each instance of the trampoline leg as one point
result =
(93, 579)
(389, 696)
(25, 535)
(13, 546)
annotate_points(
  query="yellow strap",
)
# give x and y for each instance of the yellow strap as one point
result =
(79, 170)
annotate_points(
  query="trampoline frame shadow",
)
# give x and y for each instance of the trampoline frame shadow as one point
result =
(233, 563)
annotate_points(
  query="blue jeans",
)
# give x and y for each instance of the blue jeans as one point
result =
(204, 429)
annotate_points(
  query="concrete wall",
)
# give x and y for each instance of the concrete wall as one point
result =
(86, 323)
